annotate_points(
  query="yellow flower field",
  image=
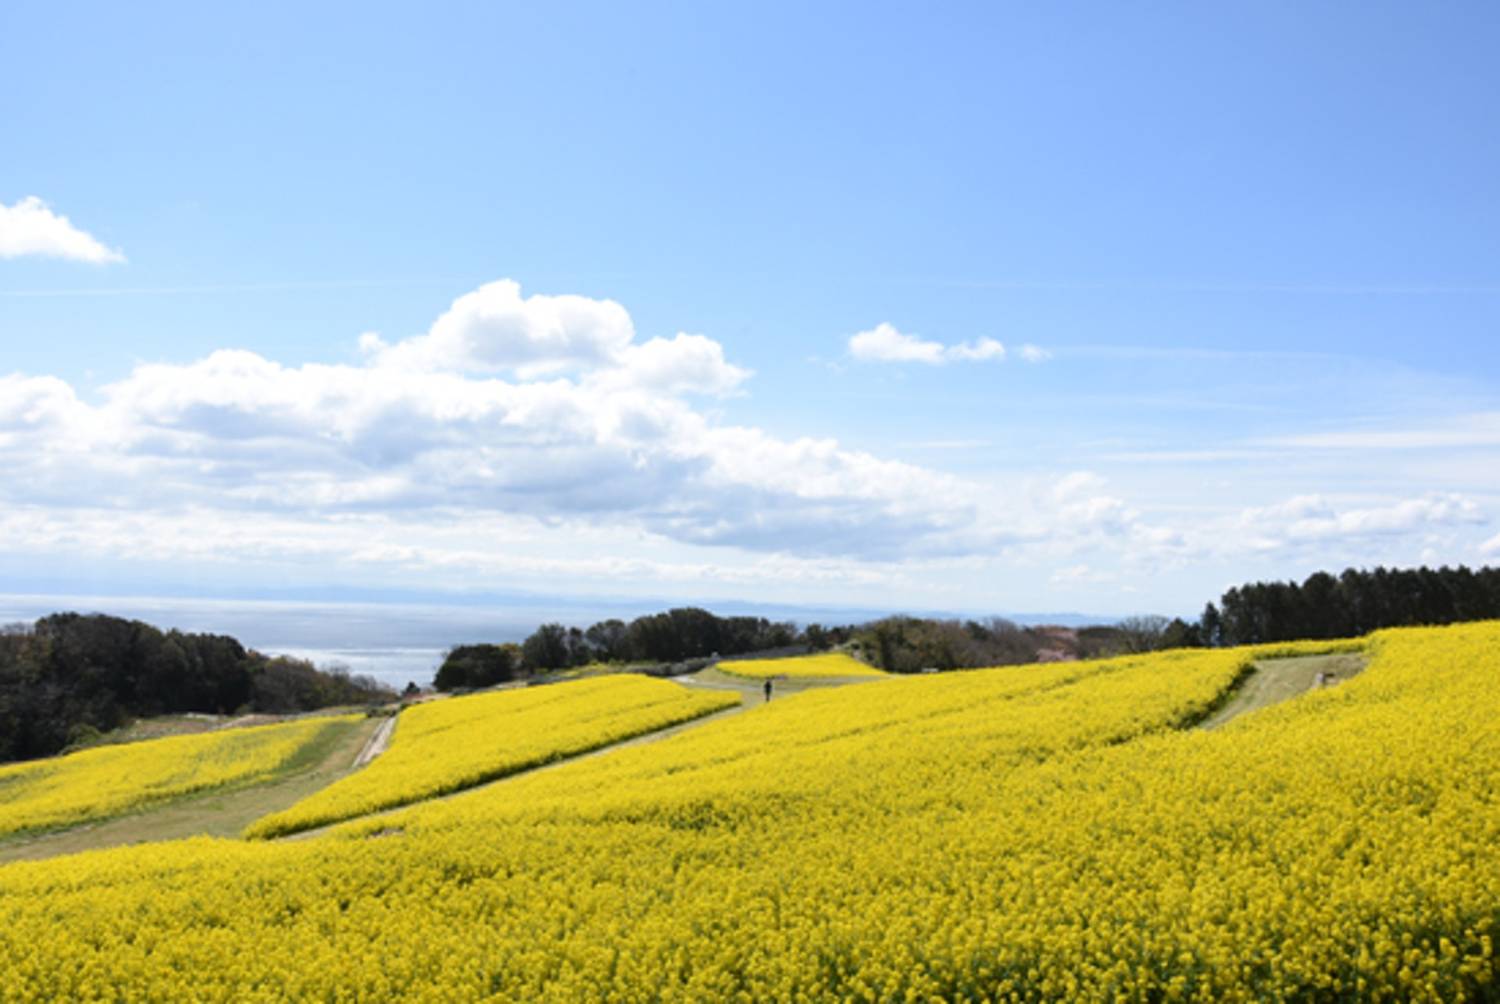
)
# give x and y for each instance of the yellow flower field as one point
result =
(445, 746)
(825, 665)
(109, 781)
(1029, 833)
(1285, 649)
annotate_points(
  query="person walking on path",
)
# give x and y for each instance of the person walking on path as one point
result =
(768, 688)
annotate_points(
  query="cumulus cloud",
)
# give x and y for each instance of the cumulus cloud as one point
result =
(884, 344)
(36, 402)
(1034, 353)
(1491, 547)
(686, 364)
(541, 435)
(31, 229)
(496, 329)
(543, 407)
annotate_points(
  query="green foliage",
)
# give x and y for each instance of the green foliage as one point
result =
(910, 644)
(1355, 603)
(547, 648)
(71, 676)
(470, 666)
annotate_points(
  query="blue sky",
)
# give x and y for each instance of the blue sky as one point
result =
(568, 300)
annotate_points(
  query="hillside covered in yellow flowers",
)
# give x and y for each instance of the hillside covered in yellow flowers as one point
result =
(1055, 832)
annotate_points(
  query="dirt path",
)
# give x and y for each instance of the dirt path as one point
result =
(214, 813)
(1276, 680)
(752, 695)
(648, 737)
(378, 743)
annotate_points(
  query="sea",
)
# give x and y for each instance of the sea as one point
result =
(399, 642)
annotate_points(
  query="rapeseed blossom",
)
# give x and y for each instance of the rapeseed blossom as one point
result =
(445, 746)
(824, 665)
(1049, 832)
(107, 781)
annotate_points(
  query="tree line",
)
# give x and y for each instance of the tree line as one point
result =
(673, 636)
(70, 676)
(1323, 606)
(1354, 603)
(898, 644)
(903, 644)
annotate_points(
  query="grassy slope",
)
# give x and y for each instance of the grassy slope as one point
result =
(1276, 680)
(220, 813)
(451, 750)
(640, 740)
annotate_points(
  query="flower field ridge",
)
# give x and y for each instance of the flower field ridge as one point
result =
(825, 665)
(446, 746)
(107, 781)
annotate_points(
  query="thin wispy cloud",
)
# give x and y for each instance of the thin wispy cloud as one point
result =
(30, 229)
(1232, 287)
(1477, 430)
(885, 344)
(227, 287)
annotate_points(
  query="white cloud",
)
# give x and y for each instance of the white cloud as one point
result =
(977, 351)
(31, 229)
(32, 402)
(495, 329)
(1481, 429)
(1491, 547)
(411, 430)
(1314, 518)
(1034, 353)
(1077, 484)
(490, 547)
(687, 364)
(884, 344)
(1080, 574)
(585, 453)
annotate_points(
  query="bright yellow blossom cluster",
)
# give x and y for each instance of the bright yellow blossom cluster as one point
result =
(1292, 649)
(445, 746)
(1030, 833)
(824, 665)
(108, 781)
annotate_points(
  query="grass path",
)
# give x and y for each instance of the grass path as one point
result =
(220, 813)
(1276, 680)
(753, 690)
(640, 740)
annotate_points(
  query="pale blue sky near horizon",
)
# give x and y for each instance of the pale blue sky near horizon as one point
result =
(1256, 249)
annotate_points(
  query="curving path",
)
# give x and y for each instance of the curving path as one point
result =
(752, 696)
(1277, 680)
